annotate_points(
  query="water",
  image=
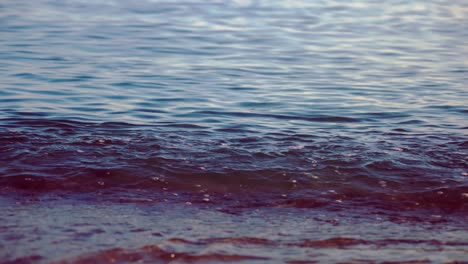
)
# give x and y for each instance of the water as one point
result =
(233, 131)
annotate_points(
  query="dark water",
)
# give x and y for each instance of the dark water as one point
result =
(233, 131)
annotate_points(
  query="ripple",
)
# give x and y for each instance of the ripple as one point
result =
(334, 119)
(242, 131)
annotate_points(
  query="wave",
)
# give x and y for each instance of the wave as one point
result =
(240, 168)
(155, 253)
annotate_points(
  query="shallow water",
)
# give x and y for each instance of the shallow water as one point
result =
(225, 131)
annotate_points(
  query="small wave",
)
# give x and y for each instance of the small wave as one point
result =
(154, 253)
(343, 242)
(318, 118)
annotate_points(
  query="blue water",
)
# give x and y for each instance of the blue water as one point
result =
(358, 107)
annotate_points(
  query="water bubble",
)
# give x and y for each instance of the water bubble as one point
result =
(100, 183)
(79, 151)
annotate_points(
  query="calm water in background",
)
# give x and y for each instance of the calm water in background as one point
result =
(255, 131)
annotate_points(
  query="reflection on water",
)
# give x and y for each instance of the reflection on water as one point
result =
(242, 110)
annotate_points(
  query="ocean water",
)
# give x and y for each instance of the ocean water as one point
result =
(239, 131)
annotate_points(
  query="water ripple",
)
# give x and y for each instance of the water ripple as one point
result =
(317, 107)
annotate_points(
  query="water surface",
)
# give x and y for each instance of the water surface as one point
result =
(233, 131)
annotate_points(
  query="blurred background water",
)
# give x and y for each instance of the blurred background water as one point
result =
(316, 105)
